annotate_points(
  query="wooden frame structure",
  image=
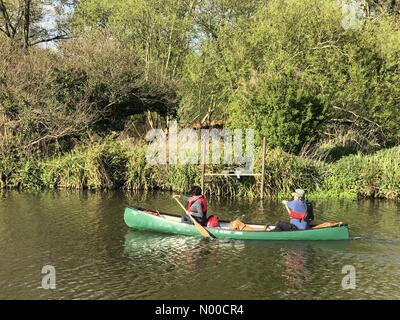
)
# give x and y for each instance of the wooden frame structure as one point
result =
(238, 174)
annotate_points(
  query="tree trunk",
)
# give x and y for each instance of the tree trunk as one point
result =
(27, 13)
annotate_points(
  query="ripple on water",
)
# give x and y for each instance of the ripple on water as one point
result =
(97, 257)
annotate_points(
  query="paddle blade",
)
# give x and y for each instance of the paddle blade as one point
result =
(203, 231)
(200, 228)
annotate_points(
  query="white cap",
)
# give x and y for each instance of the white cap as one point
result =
(299, 192)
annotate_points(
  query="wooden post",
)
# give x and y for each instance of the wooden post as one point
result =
(263, 167)
(203, 164)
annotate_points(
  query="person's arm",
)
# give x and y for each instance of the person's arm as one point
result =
(185, 198)
(181, 197)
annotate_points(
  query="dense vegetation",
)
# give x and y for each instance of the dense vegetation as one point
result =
(81, 83)
(110, 164)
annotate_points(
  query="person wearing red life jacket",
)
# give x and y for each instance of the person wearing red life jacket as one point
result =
(298, 210)
(197, 206)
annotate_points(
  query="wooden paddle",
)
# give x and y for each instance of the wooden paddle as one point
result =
(198, 226)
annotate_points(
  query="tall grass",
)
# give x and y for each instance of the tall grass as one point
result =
(113, 164)
(100, 166)
(10, 163)
(285, 172)
(372, 176)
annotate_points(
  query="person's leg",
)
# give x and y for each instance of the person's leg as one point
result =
(203, 220)
(278, 226)
(186, 219)
(284, 226)
(298, 225)
(199, 220)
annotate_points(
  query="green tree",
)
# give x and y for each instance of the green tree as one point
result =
(301, 73)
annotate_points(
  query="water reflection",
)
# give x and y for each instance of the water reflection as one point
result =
(294, 261)
(97, 256)
(244, 265)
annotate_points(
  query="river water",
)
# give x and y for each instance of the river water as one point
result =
(96, 256)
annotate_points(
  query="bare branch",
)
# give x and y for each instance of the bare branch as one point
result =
(55, 38)
(357, 116)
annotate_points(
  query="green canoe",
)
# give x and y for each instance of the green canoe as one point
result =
(142, 219)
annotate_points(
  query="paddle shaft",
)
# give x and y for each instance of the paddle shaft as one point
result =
(198, 226)
(287, 208)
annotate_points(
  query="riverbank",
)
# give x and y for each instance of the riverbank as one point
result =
(112, 164)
